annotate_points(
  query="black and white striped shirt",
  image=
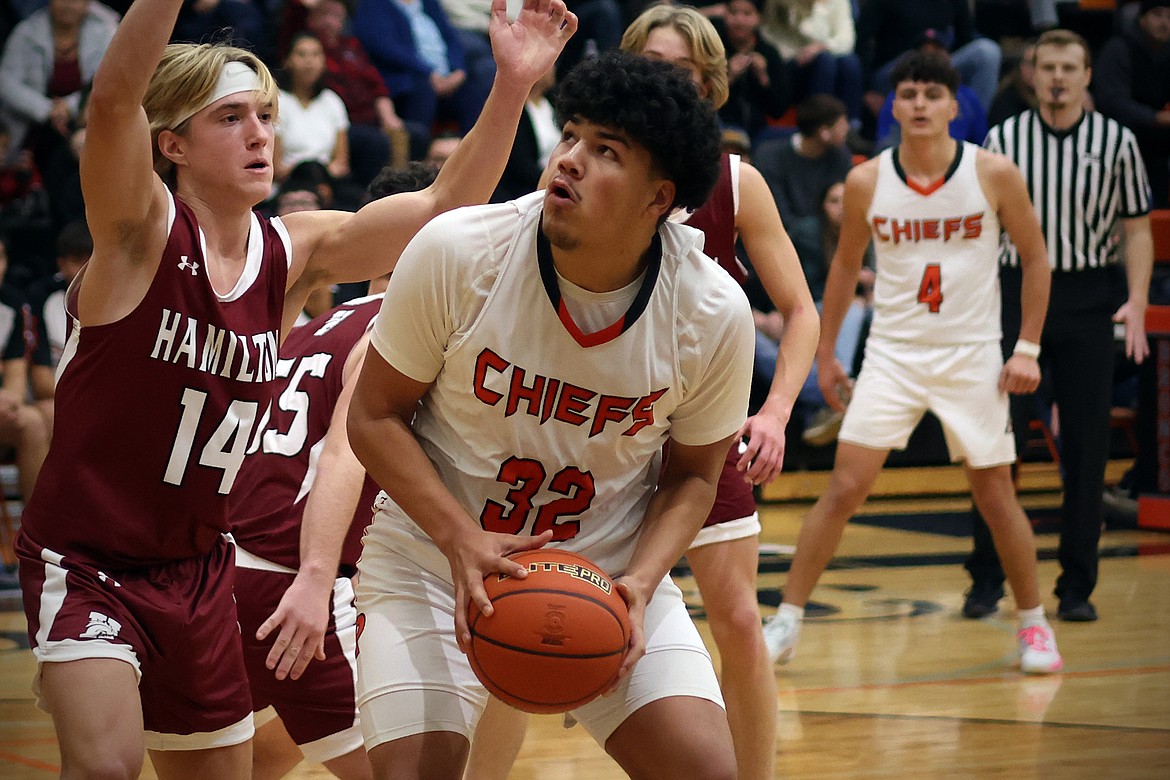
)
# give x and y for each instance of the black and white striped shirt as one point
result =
(1081, 181)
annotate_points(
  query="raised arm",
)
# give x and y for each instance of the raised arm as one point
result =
(125, 201)
(842, 280)
(339, 245)
(778, 268)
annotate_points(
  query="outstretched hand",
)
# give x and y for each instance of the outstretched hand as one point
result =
(302, 617)
(526, 48)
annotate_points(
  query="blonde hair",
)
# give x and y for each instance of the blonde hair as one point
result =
(185, 78)
(1061, 38)
(706, 47)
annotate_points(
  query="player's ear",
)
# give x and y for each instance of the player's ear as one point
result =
(170, 144)
(664, 196)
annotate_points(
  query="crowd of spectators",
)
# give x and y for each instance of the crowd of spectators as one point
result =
(366, 83)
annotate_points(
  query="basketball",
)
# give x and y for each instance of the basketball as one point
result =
(557, 637)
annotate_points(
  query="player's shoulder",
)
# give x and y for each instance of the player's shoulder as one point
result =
(865, 172)
(702, 285)
(992, 163)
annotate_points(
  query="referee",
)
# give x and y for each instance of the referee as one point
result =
(1085, 175)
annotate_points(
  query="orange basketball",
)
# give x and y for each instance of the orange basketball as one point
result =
(556, 638)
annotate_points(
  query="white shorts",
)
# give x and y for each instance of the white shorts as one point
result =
(730, 531)
(900, 381)
(412, 678)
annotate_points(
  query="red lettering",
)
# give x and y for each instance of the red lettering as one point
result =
(610, 408)
(487, 359)
(643, 413)
(518, 391)
(951, 225)
(973, 225)
(901, 230)
(878, 223)
(930, 229)
(573, 401)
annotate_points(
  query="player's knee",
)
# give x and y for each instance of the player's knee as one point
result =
(739, 625)
(102, 765)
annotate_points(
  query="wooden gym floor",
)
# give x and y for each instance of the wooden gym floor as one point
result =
(889, 680)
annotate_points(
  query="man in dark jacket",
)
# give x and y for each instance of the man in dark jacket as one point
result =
(1133, 86)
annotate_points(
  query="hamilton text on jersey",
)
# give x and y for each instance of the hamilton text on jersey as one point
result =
(547, 398)
(242, 357)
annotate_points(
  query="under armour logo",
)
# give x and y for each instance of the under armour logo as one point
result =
(107, 578)
(101, 627)
(184, 265)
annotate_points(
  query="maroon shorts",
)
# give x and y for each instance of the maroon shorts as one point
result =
(175, 623)
(733, 498)
(319, 710)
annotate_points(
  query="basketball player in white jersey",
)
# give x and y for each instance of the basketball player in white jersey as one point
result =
(529, 363)
(933, 208)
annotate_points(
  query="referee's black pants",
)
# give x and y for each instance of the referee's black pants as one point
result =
(1077, 352)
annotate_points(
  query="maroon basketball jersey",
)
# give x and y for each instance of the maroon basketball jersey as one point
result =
(155, 412)
(268, 502)
(716, 218)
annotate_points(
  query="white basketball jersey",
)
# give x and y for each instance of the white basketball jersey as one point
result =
(937, 254)
(533, 424)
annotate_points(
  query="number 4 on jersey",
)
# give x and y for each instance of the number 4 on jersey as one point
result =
(930, 290)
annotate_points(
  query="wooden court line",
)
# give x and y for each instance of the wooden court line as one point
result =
(1087, 674)
(32, 763)
(969, 719)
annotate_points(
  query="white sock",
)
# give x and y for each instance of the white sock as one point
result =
(792, 611)
(1032, 617)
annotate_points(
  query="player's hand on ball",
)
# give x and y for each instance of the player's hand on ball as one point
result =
(1020, 375)
(636, 597)
(476, 555)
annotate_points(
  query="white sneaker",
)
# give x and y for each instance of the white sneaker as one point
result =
(781, 633)
(1038, 653)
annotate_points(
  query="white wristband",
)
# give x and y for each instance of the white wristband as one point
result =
(1027, 348)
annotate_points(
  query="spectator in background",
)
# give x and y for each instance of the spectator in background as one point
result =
(421, 59)
(601, 25)
(21, 426)
(313, 122)
(970, 124)
(18, 173)
(886, 29)
(1132, 85)
(470, 19)
(349, 72)
(440, 148)
(816, 38)
(1017, 91)
(756, 74)
(48, 60)
(243, 22)
(536, 137)
(46, 300)
(815, 239)
(800, 168)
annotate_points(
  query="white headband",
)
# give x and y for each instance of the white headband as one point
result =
(236, 77)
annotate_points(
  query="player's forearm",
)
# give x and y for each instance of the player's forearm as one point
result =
(839, 287)
(472, 172)
(798, 346)
(393, 457)
(1036, 279)
(676, 513)
(679, 507)
(329, 511)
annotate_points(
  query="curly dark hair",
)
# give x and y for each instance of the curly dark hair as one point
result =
(414, 176)
(927, 67)
(658, 107)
